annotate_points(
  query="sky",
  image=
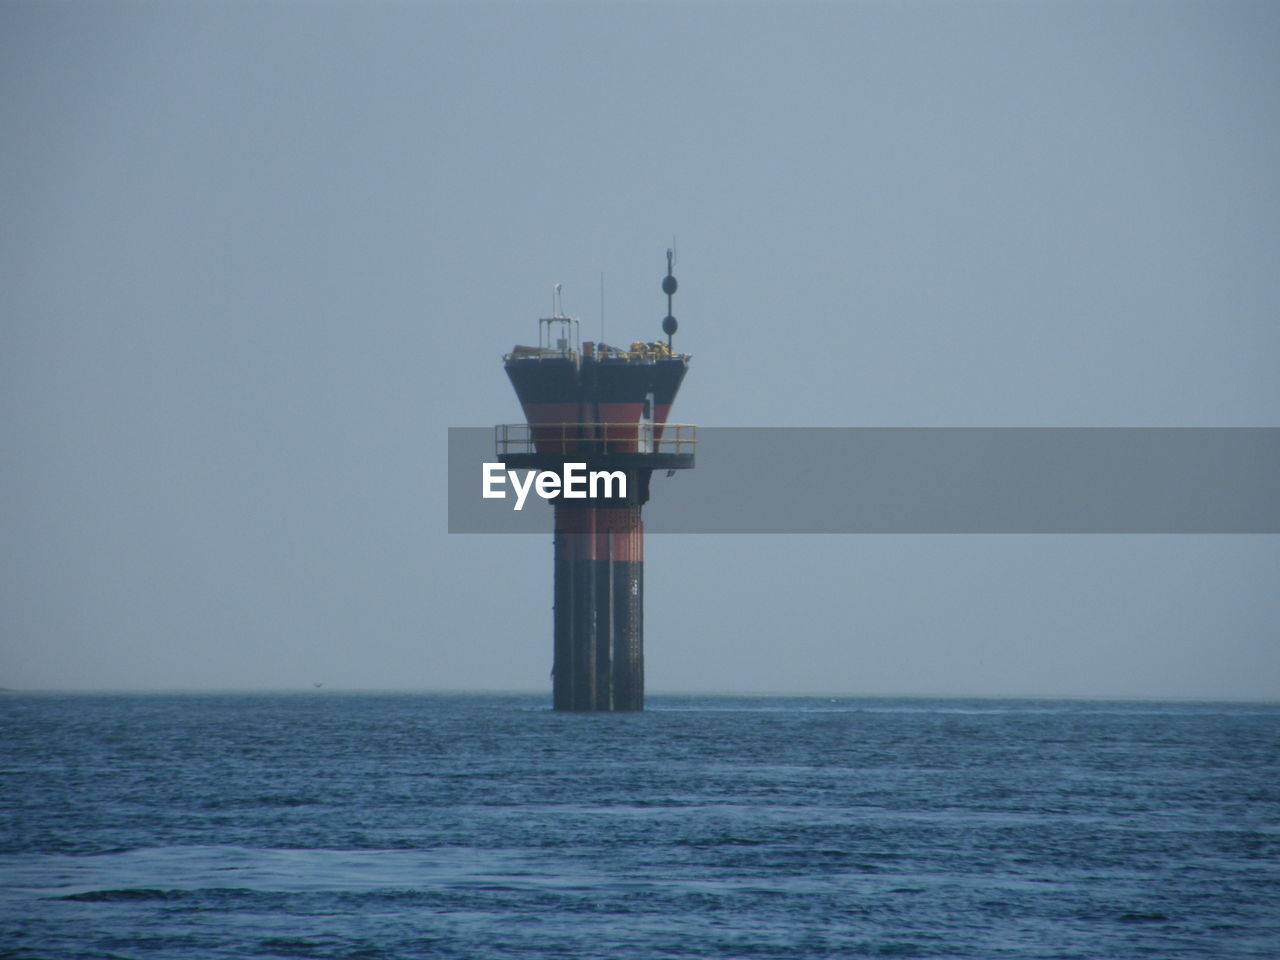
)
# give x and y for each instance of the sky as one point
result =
(258, 257)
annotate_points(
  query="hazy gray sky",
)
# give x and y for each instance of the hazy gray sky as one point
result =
(257, 258)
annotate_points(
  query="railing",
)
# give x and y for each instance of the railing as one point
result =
(597, 438)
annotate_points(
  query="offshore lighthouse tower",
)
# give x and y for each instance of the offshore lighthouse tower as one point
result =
(608, 408)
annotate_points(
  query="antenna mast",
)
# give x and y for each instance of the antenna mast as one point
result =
(669, 285)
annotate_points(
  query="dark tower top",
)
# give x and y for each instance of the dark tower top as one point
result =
(624, 389)
(596, 397)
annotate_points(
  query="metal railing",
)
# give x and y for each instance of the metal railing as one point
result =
(596, 438)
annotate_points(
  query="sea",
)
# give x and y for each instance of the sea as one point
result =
(340, 825)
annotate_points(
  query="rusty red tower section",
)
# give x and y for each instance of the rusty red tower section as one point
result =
(607, 408)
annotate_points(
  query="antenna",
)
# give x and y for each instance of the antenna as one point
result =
(602, 306)
(669, 285)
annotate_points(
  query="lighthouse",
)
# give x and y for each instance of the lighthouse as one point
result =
(602, 409)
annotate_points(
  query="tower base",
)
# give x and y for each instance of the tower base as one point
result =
(599, 609)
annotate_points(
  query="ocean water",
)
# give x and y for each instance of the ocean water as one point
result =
(399, 826)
